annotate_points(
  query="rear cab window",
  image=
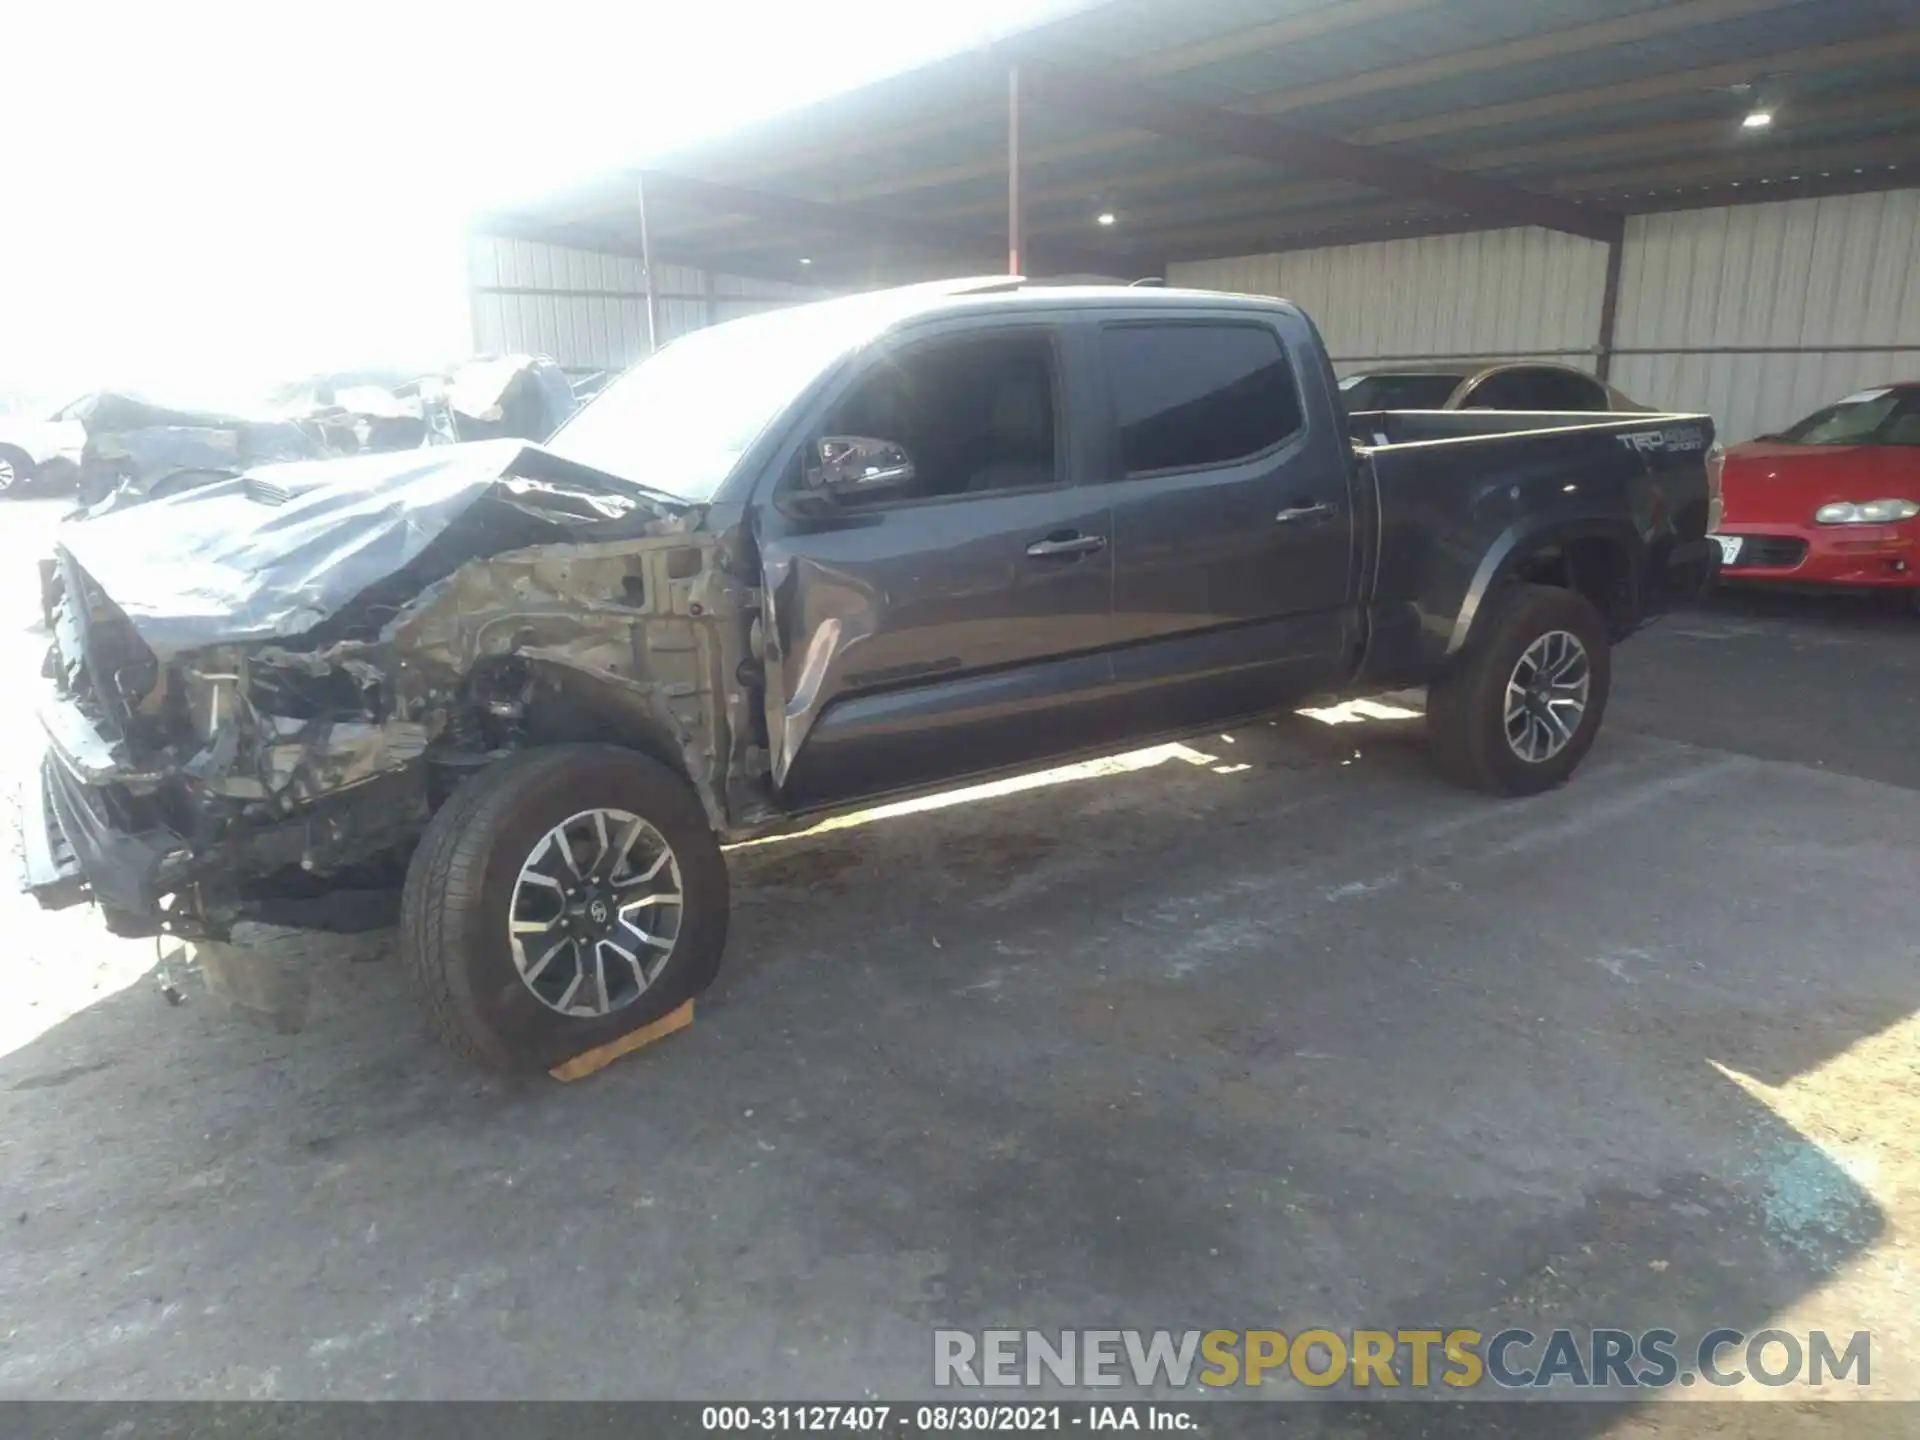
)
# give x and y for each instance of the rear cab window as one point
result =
(1193, 394)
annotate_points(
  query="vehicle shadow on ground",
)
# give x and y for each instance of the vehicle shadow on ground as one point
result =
(1829, 681)
(1893, 613)
(1226, 1039)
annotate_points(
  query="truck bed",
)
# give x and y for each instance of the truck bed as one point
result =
(1457, 493)
(1377, 428)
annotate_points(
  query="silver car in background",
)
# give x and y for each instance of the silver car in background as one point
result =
(1507, 385)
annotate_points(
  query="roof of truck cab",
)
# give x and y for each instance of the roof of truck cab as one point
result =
(1469, 367)
(1091, 294)
(870, 313)
(1112, 297)
(990, 293)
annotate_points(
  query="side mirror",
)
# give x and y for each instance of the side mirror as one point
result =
(856, 467)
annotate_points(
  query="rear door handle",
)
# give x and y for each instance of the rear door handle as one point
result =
(1295, 513)
(1066, 544)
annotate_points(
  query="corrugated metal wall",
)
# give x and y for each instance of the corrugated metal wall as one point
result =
(588, 311)
(1762, 313)
(1496, 293)
(1756, 314)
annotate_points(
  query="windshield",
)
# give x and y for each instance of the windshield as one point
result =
(1398, 392)
(680, 420)
(1872, 417)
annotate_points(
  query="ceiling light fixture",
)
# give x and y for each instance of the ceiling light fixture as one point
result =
(806, 260)
(1757, 120)
(1105, 217)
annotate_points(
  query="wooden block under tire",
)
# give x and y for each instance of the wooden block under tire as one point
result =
(589, 1061)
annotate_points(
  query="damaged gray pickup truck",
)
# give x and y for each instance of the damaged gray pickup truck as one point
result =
(786, 566)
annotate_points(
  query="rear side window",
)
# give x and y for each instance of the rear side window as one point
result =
(1198, 394)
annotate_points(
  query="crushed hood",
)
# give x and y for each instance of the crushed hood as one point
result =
(279, 550)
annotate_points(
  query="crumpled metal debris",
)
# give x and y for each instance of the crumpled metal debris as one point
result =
(274, 553)
(523, 397)
(138, 452)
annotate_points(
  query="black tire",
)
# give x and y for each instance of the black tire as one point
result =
(59, 476)
(1466, 707)
(454, 910)
(17, 472)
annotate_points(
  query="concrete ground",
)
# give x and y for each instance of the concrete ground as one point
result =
(1269, 1029)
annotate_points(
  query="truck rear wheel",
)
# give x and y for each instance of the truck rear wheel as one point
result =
(559, 900)
(1520, 707)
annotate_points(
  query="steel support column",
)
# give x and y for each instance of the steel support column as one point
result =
(1014, 218)
(646, 265)
(1609, 305)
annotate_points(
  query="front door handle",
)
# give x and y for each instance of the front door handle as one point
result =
(1066, 544)
(1295, 513)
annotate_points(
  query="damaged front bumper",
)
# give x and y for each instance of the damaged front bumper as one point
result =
(72, 848)
(50, 869)
(94, 828)
(73, 845)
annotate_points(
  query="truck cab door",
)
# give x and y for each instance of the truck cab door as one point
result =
(1233, 517)
(956, 621)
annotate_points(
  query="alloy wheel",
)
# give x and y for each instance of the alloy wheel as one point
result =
(1547, 696)
(595, 913)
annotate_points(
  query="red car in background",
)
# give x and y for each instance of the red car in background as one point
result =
(1831, 501)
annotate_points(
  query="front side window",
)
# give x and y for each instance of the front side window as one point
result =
(1191, 395)
(973, 414)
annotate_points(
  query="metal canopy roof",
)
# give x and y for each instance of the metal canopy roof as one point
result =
(1221, 127)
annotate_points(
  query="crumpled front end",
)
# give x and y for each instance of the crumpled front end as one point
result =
(278, 776)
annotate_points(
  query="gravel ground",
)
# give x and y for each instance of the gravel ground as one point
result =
(1266, 1029)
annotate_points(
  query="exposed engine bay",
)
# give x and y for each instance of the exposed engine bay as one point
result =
(257, 723)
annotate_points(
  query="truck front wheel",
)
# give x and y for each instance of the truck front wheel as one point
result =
(1519, 708)
(559, 900)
